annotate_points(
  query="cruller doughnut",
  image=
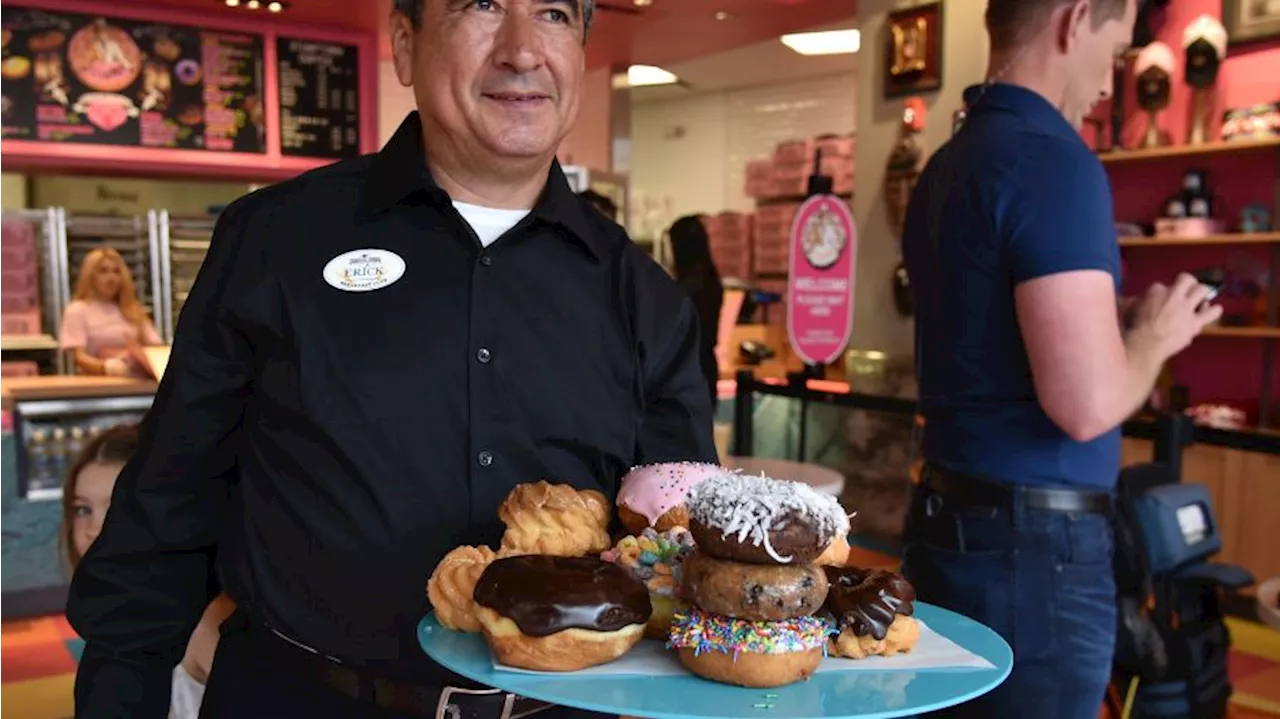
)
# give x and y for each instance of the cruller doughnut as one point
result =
(873, 611)
(763, 521)
(559, 614)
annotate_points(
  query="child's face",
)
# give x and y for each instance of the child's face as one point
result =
(93, 496)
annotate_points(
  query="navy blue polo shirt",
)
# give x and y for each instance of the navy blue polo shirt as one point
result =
(1014, 195)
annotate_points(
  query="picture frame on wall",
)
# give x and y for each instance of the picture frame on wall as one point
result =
(913, 50)
(1249, 21)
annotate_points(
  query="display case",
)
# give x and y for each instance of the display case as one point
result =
(50, 434)
(181, 246)
(130, 235)
(613, 186)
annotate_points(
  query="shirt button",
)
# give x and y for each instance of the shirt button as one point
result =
(485, 458)
(483, 355)
(486, 260)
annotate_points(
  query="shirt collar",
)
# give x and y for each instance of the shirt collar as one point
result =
(1023, 102)
(399, 172)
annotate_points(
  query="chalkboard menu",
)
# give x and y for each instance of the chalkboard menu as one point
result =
(76, 78)
(319, 98)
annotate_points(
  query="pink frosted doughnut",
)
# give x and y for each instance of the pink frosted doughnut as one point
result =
(653, 490)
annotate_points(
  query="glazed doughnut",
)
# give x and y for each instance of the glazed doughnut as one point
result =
(653, 495)
(759, 520)
(754, 592)
(836, 553)
(749, 654)
(873, 610)
(556, 519)
(559, 614)
(658, 561)
(452, 584)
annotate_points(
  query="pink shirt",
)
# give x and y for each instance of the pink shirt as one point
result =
(100, 328)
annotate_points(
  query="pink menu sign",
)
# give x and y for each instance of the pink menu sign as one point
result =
(824, 243)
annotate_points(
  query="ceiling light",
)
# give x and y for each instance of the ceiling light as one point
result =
(275, 6)
(233, 3)
(252, 4)
(722, 15)
(644, 76)
(829, 42)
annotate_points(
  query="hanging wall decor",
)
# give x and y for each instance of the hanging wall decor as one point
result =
(1251, 20)
(913, 50)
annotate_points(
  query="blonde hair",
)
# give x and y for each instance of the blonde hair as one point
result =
(126, 298)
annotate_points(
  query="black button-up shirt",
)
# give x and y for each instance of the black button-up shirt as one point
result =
(331, 446)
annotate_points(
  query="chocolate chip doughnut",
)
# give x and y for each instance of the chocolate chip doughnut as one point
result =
(755, 592)
(759, 520)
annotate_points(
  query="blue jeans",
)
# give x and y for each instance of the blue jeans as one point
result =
(1042, 580)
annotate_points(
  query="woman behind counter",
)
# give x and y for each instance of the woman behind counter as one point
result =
(696, 273)
(105, 322)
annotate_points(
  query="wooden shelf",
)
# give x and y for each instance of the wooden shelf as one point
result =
(1172, 151)
(21, 343)
(1238, 238)
(1243, 332)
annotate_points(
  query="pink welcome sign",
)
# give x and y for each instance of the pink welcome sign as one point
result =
(824, 242)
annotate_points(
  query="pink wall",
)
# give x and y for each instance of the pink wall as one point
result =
(589, 142)
(1214, 368)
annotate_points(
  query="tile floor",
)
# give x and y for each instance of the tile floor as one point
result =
(38, 660)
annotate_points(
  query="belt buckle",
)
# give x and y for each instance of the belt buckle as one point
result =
(446, 709)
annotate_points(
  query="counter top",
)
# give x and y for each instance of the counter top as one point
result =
(21, 389)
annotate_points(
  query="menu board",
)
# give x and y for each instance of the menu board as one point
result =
(76, 78)
(319, 98)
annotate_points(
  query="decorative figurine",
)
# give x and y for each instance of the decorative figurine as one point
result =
(1154, 68)
(1255, 218)
(1205, 44)
(899, 180)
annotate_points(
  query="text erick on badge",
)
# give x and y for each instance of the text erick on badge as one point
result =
(824, 243)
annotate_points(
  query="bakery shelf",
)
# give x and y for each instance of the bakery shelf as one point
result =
(21, 343)
(1236, 238)
(1244, 332)
(1219, 147)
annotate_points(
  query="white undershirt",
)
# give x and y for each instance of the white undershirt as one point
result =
(489, 224)
(188, 695)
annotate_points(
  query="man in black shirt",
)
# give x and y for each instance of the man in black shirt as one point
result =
(373, 356)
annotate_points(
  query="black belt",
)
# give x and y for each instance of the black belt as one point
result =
(395, 696)
(972, 491)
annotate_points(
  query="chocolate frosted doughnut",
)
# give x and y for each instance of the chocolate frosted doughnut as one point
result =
(759, 520)
(754, 592)
(866, 601)
(544, 594)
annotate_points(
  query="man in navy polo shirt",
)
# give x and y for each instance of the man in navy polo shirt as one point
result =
(1025, 369)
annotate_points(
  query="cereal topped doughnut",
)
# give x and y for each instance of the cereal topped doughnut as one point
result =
(762, 520)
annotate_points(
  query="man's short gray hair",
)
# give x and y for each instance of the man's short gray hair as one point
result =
(412, 9)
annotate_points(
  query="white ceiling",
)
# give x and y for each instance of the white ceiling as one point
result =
(764, 64)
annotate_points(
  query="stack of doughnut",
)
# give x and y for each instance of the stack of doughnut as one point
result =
(753, 583)
(657, 559)
(540, 603)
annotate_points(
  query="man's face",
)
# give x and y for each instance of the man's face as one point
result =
(499, 78)
(1091, 54)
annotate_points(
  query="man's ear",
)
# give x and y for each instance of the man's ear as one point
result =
(1069, 22)
(402, 44)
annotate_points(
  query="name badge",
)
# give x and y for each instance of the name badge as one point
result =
(364, 270)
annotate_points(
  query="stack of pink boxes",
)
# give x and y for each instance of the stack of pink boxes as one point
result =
(20, 285)
(730, 234)
(772, 237)
(786, 174)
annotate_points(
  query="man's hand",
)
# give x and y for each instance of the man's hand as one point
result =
(1166, 319)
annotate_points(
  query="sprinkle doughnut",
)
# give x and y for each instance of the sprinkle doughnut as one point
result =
(749, 654)
(755, 592)
(652, 495)
(658, 561)
(759, 520)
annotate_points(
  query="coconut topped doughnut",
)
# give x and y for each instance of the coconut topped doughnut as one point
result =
(761, 520)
